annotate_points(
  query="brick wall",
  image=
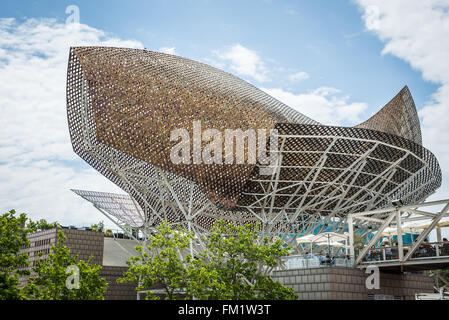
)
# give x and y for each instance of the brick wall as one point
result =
(349, 283)
(85, 243)
(313, 283)
(118, 291)
(82, 242)
(40, 242)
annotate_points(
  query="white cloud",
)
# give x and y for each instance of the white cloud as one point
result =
(214, 63)
(298, 76)
(417, 32)
(168, 50)
(37, 164)
(42, 189)
(243, 61)
(325, 105)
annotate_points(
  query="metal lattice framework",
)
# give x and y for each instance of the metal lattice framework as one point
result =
(398, 117)
(325, 173)
(120, 206)
(122, 105)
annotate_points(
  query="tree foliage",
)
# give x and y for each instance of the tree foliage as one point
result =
(49, 277)
(359, 243)
(13, 237)
(233, 266)
(98, 226)
(161, 263)
(40, 225)
(443, 273)
(241, 261)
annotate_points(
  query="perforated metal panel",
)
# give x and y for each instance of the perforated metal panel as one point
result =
(334, 170)
(398, 117)
(121, 206)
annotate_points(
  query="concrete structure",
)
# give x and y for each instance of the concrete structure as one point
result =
(110, 253)
(339, 283)
(321, 283)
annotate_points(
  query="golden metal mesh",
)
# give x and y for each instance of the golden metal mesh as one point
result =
(391, 167)
(134, 113)
(397, 117)
(122, 105)
(139, 97)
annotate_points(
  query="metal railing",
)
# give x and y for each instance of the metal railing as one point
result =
(108, 232)
(425, 250)
(121, 234)
(303, 262)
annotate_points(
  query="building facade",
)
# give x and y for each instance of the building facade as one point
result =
(320, 283)
(110, 253)
(339, 283)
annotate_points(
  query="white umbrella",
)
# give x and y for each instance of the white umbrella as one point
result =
(392, 231)
(332, 244)
(331, 236)
(326, 236)
(306, 239)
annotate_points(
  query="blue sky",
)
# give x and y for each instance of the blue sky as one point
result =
(326, 39)
(332, 60)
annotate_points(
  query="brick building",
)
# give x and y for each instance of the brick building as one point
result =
(110, 253)
(320, 283)
(341, 283)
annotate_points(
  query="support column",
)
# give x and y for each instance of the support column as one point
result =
(437, 247)
(426, 232)
(376, 237)
(189, 225)
(351, 237)
(399, 231)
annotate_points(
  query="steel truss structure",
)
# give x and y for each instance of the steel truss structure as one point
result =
(122, 105)
(398, 217)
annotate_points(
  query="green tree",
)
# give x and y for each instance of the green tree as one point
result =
(359, 243)
(108, 233)
(161, 263)
(50, 277)
(42, 224)
(233, 266)
(13, 237)
(240, 261)
(98, 226)
(444, 274)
